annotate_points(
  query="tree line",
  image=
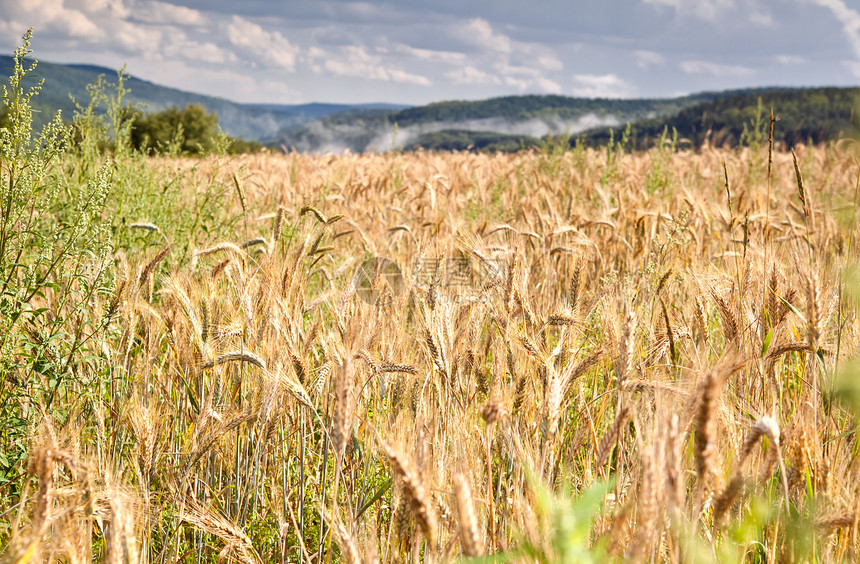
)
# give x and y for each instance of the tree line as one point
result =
(190, 131)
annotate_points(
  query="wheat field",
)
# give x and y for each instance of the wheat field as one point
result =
(549, 356)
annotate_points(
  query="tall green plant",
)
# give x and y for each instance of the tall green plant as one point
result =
(54, 248)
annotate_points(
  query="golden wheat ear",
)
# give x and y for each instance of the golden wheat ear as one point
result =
(423, 511)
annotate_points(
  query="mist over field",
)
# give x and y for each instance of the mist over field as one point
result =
(327, 137)
(392, 138)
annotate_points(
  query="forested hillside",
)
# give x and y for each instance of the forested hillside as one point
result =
(505, 123)
(815, 115)
(525, 118)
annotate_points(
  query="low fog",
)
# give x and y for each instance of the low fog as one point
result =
(322, 137)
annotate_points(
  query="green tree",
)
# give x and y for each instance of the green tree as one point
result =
(190, 130)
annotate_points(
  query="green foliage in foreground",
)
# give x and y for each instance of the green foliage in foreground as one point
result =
(54, 249)
(67, 207)
(78, 199)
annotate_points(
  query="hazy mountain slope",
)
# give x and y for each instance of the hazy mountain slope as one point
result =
(816, 115)
(259, 122)
(526, 117)
(316, 110)
(507, 122)
(804, 114)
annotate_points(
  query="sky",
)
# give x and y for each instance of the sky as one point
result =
(416, 52)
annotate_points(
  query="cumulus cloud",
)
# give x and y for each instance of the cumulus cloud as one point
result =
(471, 75)
(449, 57)
(54, 16)
(549, 62)
(648, 59)
(716, 69)
(106, 24)
(506, 69)
(790, 59)
(602, 86)
(480, 33)
(549, 86)
(397, 75)
(518, 83)
(269, 47)
(192, 77)
(165, 13)
(115, 8)
(850, 20)
(713, 10)
(356, 62)
(138, 39)
(365, 51)
(179, 46)
(705, 9)
(501, 60)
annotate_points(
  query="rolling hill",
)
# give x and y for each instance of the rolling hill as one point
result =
(805, 115)
(514, 120)
(257, 122)
(503, 123)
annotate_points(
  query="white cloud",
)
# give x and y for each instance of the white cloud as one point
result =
(850, 20)
(54, 16)
(194, 78)
(506, 69)
(647, 59)
(761, 18)
(137, 39)
(790, 59)
(478, 32)
(549, 86)
(272, 48)
(716, 69)
(113, 8)
(602, 86)
(501, 60)
(164, 13)
(713, 10)
(704, 9)
(404, 77)
(354, 61)
(853, 66)
(106, 24)
(471, 75)
(316, 53)
(450, 57)
(519, 84)
(181, 47)
(549, 62)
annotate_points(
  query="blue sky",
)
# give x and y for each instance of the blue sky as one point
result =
(416, 52)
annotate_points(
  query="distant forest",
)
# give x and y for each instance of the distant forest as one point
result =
(728, 118)
(813, 115)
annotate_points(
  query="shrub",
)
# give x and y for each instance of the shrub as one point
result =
(192, 130)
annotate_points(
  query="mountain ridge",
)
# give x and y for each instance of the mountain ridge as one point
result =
(250, 121)
(501, 122)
